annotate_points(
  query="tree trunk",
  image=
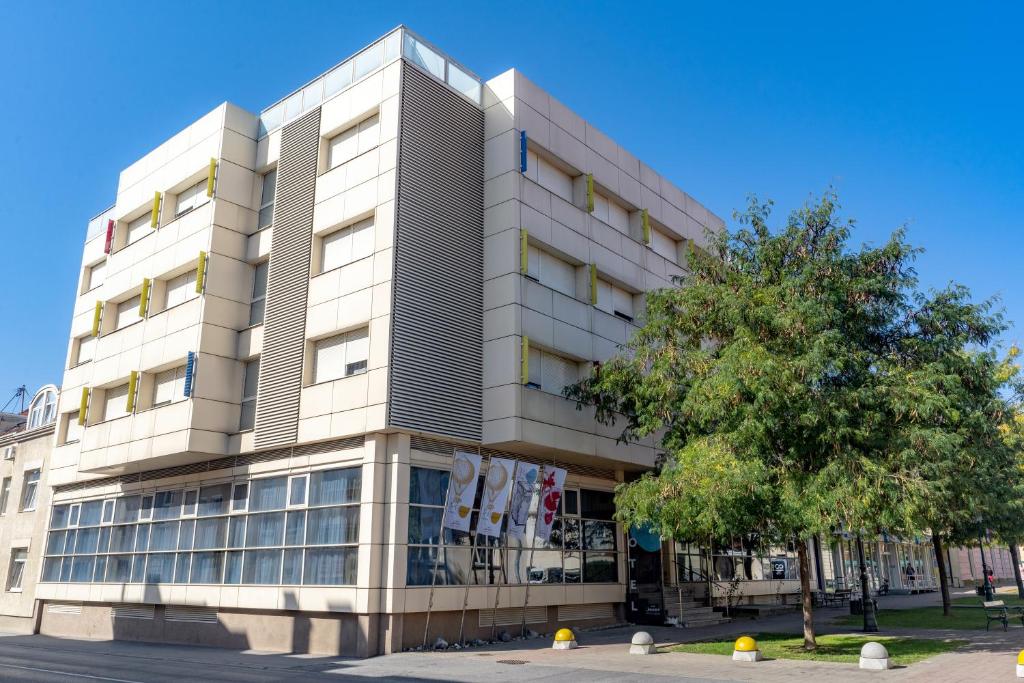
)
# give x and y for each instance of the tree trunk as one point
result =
(1015, 557)
(805, 594)
(867, 606)
(940, 563)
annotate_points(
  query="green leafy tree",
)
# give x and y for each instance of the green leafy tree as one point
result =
(769, 377)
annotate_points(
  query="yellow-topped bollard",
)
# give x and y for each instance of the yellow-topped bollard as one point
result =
(745, 650)
(1020, 664)
(564, 640)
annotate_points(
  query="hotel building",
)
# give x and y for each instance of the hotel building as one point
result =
(288, 322)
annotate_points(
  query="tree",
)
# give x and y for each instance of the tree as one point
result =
(759, 375)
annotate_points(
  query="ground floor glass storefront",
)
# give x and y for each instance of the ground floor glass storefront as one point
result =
(584, 546)
(741, 559)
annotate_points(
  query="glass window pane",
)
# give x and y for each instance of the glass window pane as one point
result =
(572, 568)
(333, 526)
(233, 567)
(427, 486)
(368, 60)
(185, 534)
(87, 540)
(142, 537)
(167, 505)
(265, 530)
(292, 572)
(59, 517)
(55, 542)
(188, 502)
(119, 568)
(81, 571)
(297, 496)
(463, 82)
(338, 79)
(163, 536)
(546, 567)
(598, 535)
(597, 504)
(138, 569)
(69, 545)
(424, 524)
(65, 569)
(213, 500)
(600, 568)
(330, 566)
(236, 535)
(268, 494)
(293, 106)
(206, 567)
(295, 530)
(126, 509)
(181, 568)
(104, 544)
(100, 571)
(160, 568)
(211, 533)
(335, 487)
(423, 56)
(240, 497)
(262, 567)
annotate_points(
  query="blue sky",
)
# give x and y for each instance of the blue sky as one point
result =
(911, 111)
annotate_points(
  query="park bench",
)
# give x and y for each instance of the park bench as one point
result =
(838, 596)
(996, 610)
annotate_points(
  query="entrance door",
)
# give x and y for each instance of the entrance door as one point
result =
(643, 593)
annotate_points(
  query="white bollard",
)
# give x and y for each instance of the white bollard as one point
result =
(642, 644)
(874, 657)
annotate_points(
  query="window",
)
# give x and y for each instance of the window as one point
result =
(168, 386)
(551, 372)
(139, 228)
(115, 402)
(340, 356)
(250, 383)
(663, 245)
(71, 431)
(614, 300)
(346, 245)
(298, 530)
(583, 546)
(610, 212)
(128, 312)
(353, 141)
(29, 489)
(190, 198)
(548, 176)
(268, 188)
(181, 289)
(5, 494)
(94, 275)
(43, 410)
(16, 571)
(259, 293)
(84, 348)
(551, 271)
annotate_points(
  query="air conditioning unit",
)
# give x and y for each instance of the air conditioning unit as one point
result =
(9, 452)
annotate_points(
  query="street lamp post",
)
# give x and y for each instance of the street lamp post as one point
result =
(990, 592)
(867, 604)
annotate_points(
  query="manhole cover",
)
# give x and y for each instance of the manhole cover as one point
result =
(511, 661)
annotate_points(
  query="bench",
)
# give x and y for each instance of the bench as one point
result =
(996, 610)
(838, 596)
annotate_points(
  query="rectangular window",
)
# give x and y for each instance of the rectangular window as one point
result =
(346, 245)
(341, 355)
(551, 372)
(190, 198)
(71, 431)
(127, 312)
(614, 300)
(297, 490)
(139, 228)
(545, 174)
(168, 386)
(95, 274)
(551, 271)
(5, 494)
(250, 383)
(84, 349)
(16, 571)
(353, 141)
(29, 489)
(268, 188)
(115, 402)
(181, 288)
(259, 293)
(663, 245)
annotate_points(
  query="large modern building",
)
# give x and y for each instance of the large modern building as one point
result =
(288, 322)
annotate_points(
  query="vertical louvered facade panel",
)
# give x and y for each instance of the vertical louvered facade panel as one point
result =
(437, 314)
(284, 327)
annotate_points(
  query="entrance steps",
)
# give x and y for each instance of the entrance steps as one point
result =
(687, 611)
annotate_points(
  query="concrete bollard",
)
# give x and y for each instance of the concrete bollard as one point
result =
(642, 644)
(564, 640)
(745, 650)
(874, 657)
(1020, 664)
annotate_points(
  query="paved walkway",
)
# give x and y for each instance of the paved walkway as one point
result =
(602, 656)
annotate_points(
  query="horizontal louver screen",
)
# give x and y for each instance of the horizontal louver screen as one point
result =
(586, 612)
(197, 615)
(512, 616)
(132, 611)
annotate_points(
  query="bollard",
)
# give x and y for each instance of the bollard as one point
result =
(642, 644)
(1020, 664)
(745, 650)
(874, 656)
(564, 640)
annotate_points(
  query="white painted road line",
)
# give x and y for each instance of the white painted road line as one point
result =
(68, 673)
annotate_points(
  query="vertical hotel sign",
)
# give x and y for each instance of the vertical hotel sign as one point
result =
(461, 490)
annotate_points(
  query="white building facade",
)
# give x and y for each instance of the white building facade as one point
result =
(288, 323)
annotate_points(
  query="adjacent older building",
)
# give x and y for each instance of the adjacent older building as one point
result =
(287, 324)
(24, 503)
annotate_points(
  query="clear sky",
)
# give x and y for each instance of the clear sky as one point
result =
(913, 112)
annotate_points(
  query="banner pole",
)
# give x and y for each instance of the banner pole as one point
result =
(472, 556)
(497, 586)
(440, 549)
(533, 547)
